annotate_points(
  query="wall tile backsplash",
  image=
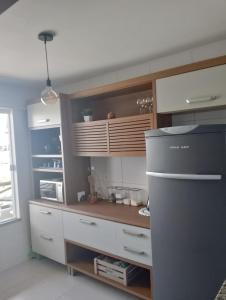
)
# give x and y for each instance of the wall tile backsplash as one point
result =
(119, 171)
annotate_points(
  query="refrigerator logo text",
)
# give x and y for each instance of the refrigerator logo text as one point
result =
(179, 147)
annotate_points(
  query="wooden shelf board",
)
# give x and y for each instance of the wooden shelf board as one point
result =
(48, 170)
(118, 88)
(140, 287)
(47, 155)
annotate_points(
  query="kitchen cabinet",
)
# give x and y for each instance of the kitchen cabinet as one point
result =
(120, 136)
(51, 153)
(90, 138)
(68, 236)
(51, 226)
(87, 237)
(200, 89)
(90, 231)
(126, 241)
(47, 232)
(134, 243)
(40, 115)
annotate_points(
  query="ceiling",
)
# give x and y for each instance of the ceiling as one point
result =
(94, 36)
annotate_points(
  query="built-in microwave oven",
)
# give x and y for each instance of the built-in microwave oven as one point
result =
(52, 189)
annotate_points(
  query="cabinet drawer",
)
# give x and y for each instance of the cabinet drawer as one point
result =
(47, 244)
(47, 219)
(90, 231)
(197, 86)
(43, 115)
(135, 243)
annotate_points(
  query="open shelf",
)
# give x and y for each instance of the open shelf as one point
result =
(47, 156)
(80, 258)
(50, 170)
(139, 287)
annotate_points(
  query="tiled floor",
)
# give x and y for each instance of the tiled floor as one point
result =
(45, 280)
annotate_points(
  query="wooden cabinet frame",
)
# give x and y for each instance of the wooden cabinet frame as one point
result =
(114, 137)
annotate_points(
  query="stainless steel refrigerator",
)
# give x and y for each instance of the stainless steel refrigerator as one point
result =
(186, 168)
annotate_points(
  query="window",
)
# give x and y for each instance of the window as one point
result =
(8, 195)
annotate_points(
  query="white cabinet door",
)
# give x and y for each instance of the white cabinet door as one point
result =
(194, 90)
(47, 219)
(48, 244)
(47, 232)
(130, 242)
(134, 243)
(89, 231)
(40, 115)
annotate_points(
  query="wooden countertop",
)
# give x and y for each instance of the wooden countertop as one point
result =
(103, 210)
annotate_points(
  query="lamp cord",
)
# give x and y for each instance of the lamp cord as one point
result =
(47, 64)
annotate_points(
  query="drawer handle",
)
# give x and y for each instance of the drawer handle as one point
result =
(45, 212)
(43, 121)
(87, 222)
(133, 251)
(200, 99)
(140, 235)
(46, 238)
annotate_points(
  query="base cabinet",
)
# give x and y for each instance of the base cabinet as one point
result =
(76, 240)
(89, 231)
(129, 242)
(47, 232)
(134, 243)
(48, 245)
(50, 227)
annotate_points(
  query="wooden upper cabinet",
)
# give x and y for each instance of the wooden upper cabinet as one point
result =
(199, 89)
(115, 137)
(126, 135)
(90, 138)
(40, 115)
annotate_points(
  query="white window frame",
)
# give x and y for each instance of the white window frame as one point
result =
(13, 168)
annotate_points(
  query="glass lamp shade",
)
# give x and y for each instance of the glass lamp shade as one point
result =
(49, 96)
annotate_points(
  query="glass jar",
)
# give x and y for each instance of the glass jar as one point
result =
(136, 196)
(120, 192)
(111, 194)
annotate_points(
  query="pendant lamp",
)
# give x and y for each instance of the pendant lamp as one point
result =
(48, 95)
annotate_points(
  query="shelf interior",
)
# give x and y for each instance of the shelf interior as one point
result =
(46, 141)
(121, 105)
(82, 260)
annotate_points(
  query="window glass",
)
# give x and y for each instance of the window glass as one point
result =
(8, 207)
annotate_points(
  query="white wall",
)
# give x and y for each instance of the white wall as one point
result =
(14, 237)
(131, 171)
(192, 55)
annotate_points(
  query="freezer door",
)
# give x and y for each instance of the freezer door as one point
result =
(188, 224)
(186, 154)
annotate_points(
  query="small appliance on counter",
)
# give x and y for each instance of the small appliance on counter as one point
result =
(52, 189)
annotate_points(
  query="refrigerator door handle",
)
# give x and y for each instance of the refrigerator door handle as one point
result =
(185, 176)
